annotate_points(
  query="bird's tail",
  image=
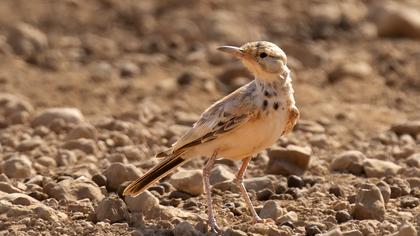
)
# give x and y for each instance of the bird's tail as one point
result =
(158, 172)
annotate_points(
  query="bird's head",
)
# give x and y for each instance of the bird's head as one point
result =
(263, 59)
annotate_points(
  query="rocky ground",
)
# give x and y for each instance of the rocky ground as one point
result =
(91, 90)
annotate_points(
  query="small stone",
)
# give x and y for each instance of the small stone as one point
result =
(118, 173)
(312, 230)
(88, 146)
(396, 19)
(399, 187)
(293, 160)
(46, 117)
(185, 229)
(8, 188)
(48, 162)
(310, 126)
(220, 174)
(349, 161)
(414, 160)
(353, 233)
(185, 78)
(342, 216)
(259, 183)
(29, 145)
(111, 208)
(143, 202)
(294, 181)
(409, 127)
(290, 216)
(27, 40)
(17, 167)
(333, 232)
(379, 168)
(409, 202)
(369, 203)
(158, 189)
(86, 131)
(271, 209)
(288, 224)
(99, 179)
(406, 230)
(190, 181)
(264, 194)
(280, 189)
(336, 191)
(234, 232)
(101, 71)
(129, 69)
(65, 158)
(385, 190)
(180, 194)
(73, 190)
(358, 70)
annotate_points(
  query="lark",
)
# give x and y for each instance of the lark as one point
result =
(238, 126)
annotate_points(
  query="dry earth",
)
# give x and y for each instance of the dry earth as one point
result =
(90, 90)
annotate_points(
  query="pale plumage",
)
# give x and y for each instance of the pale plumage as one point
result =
(238, 126)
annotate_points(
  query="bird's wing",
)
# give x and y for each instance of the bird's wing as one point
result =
(225, 115)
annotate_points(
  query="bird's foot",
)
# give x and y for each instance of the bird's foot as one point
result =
(215, 229)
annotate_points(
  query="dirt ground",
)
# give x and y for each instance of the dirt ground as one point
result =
(141, 72)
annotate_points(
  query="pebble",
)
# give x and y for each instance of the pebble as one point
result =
(99, 179)
(101, 71)
(395, 19)
(185, 229)
(234, 232)
(290, 216)
(369, 203)
(294, 181)
(144, 202)
(342, 216)
(353, 233)
(310, 126)
(188, 181)
(379, 168)
(88, 146)
(12, 104)
(219, 174)
(27, 41)
(29, 145)
(406, 230)
(293, 160)
(73, 190)
(46, 117)
(65, 157)
(336, 191)
(85, 130)
(118, 173)
(408, 127)
(259, 183)
(358, 70)
(349, 161)
(271, 209)
(414, 160)
(264, 195)
(409, 202)
(111, 208)
(18, 166)
(9, 188)
(312, 230)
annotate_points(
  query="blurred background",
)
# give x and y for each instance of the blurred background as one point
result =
(141, 72)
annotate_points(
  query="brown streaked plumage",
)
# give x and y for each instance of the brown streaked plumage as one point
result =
(238, 126)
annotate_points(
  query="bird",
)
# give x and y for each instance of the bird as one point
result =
(238, 126)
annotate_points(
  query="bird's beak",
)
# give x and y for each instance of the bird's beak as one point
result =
(234, 51)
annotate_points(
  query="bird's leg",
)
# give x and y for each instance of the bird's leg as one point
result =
(239, 181)
(206, 175)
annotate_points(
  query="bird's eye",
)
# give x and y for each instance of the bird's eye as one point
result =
(263, 54)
